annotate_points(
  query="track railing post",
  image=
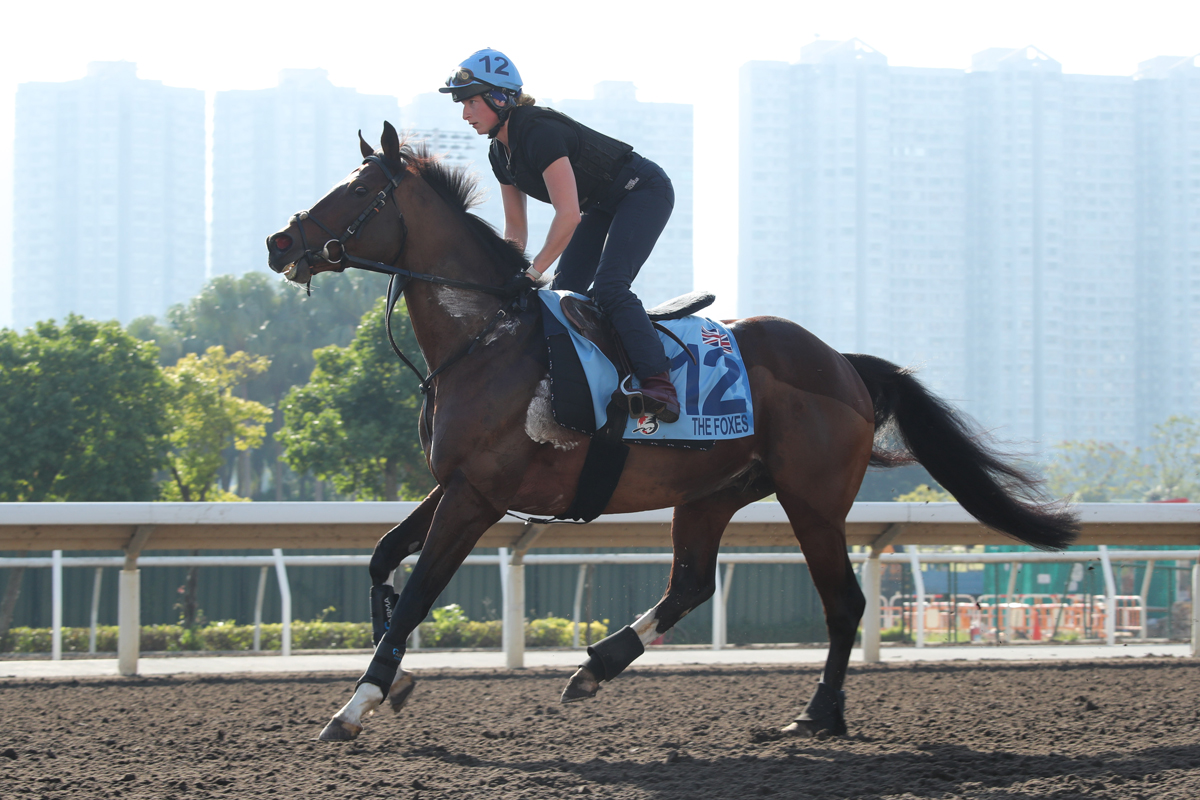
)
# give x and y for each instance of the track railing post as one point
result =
(258, 606)
(919, 583)
(718, 612)
(1147, 579)
(1009, 623)
(577, 608)
(285, 602)
(1110, 598)
(129, 603)
(872, 578)
(513, 586)
(95, 618)
(1196, 610)
(56, 605)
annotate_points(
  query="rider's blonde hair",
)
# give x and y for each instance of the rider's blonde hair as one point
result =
(526, 99)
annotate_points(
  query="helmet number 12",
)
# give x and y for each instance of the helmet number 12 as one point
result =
(501, 64)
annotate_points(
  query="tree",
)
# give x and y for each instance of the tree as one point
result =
(261, 315)
(1097, 472)
(84, 410)
(208, 418)
(355, 421)
(1094, 472)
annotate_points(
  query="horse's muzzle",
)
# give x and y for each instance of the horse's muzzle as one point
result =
(282, 259)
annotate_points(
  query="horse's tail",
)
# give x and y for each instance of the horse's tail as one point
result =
(998, 494)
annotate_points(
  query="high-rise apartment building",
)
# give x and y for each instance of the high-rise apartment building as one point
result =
(989, 226)
(1167, 91)
(277, 151)
(659, 131)
(108, 186)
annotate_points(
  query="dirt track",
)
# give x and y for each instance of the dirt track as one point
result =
(1117, 729)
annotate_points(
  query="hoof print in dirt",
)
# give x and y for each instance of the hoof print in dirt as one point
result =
(338, 731)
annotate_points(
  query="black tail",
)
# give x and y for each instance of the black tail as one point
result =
(998, 494)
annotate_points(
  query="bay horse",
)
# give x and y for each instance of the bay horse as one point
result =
(490, 440)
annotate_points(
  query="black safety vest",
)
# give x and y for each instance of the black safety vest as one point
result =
(596, 164)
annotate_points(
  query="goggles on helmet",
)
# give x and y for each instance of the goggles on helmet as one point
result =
(462, 77)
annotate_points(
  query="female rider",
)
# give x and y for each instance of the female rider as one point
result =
(610, 205)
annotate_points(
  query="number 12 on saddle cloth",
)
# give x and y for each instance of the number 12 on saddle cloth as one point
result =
(711, 382)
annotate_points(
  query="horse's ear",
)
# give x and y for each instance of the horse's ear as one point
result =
(366, 149)
(390, 142)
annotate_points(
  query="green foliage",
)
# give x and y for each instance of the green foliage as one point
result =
(262, 315)
(208, 418)
(84, 410)
(559, 632)
(924, 493)
(449, 628)
(1098, 472)
(355, 422)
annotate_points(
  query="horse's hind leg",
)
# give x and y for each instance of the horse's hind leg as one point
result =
(824, 545)
(696, 531)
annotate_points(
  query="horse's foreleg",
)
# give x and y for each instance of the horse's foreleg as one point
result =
(824, 546)
(455, 527)
(395, 545)
(695, 537)
(404, 539)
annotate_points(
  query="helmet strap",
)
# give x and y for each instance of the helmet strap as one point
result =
(502, 111)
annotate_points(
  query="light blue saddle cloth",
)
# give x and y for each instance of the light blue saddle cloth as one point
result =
(714, 392)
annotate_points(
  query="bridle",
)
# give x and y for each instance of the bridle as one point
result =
(399, 277)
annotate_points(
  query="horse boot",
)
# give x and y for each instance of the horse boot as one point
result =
(659, 397)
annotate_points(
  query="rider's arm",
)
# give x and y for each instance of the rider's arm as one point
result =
(516, 221)
(564, 196)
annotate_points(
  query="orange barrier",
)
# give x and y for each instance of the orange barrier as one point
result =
(1033, 617)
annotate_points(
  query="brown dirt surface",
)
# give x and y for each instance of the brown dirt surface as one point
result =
(1111, 729)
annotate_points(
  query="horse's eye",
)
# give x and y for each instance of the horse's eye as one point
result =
(361, 191)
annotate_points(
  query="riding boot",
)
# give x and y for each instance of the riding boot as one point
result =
(659, 398)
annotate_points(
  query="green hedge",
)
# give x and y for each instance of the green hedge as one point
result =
(450, 628)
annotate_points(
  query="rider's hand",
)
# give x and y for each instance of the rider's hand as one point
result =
(519, 284)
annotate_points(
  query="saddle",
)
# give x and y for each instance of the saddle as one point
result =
(593, 324)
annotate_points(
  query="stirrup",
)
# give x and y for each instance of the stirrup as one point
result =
(633, 398)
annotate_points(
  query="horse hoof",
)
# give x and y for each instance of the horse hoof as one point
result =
(402, 687)
(807, 728)
(339, 731)
(583, 684)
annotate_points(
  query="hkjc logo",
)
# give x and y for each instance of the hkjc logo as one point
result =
(646, 424)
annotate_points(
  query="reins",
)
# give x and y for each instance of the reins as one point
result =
(399, 276)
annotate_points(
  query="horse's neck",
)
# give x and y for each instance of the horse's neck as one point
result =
(445, 319)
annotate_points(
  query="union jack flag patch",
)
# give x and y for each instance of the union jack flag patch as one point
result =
(715, 338)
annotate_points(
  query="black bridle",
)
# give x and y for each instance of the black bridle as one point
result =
(399, 277)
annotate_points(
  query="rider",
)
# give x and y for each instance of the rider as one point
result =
(610, 205)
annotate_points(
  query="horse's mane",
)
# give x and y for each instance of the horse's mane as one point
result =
(460, 189)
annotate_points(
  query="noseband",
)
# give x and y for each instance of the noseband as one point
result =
(399, 277)
(323, 256)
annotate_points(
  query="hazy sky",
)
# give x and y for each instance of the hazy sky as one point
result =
(673, 52)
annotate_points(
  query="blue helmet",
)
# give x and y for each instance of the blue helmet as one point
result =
(482, 73)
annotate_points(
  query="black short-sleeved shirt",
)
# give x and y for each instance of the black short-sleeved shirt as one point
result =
(538, 140)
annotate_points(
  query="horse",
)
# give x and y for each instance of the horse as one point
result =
(491, 442)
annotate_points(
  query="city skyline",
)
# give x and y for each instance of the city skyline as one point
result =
(1028, 236)
(1104, 240)
(174, 44)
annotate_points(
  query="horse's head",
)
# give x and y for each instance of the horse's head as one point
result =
(317, 240)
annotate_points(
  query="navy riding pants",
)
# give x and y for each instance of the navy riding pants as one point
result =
(609, 247)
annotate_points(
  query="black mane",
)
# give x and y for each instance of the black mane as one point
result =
(460, 189)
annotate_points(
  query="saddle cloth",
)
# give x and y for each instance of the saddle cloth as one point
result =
(709, 377)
